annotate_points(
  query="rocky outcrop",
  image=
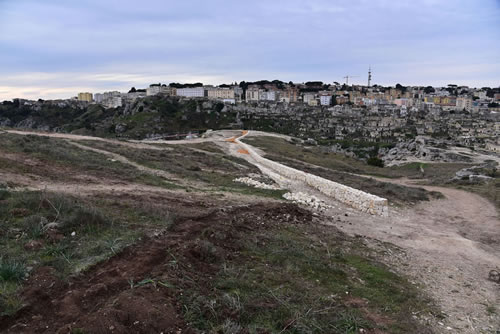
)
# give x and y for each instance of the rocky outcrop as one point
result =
(478, 174)
(422, 148)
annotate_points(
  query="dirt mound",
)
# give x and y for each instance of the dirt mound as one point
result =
(138, 290)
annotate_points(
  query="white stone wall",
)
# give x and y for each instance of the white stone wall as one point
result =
(355, 198)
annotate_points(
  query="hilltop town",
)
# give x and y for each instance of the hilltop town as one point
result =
(327, 113)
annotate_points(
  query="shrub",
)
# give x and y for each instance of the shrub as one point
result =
(4, 194)
(87, 217)
(374, 161)
(11, 270)
(33, 226)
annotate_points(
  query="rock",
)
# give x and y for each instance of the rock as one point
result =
(51, 226)
(5, 121)
(28, 123)
(54, 236)
(96, 290)
(120, 128)
(33, 245)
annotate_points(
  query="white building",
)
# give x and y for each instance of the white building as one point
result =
(325, 100)
(109, 99)
(98, 97)
(153, 89)
(464, 103)
(252, 93)
(267, 96)
(308, 97)
(481, 94)
(191, 92)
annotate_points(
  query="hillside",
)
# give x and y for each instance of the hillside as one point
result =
(94, 229)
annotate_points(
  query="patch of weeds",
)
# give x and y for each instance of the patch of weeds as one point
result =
(11, 270)
(4, 194)
(285, 281)
(351, 322)
(78, 331)
(87, 218)
(491, 309)
(34, 226)
(10, 303)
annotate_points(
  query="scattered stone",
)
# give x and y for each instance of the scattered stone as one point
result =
(256, 184)
(33, 245)
(305, 199)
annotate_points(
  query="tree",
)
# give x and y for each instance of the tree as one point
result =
(333, 101)
(132, 90)
(374, 161)
(401, 88)
(428, 90)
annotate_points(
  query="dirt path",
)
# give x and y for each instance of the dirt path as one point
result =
(122, 159)
(450, 245)
(134, 144)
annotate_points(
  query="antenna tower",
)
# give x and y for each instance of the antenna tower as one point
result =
(369, 75)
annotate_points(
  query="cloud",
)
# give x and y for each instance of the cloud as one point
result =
(96, 45)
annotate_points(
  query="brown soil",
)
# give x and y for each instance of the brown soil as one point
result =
(138, 290)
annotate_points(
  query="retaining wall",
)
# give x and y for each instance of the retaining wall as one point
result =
(355, 198)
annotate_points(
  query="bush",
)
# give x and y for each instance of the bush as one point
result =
(87, 217)
(11, 270)
(4, 194)
(374, 161)
(33, 226)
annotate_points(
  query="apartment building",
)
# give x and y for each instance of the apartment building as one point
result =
(464, 103)
(87, 97)
(290, 94)
(220, 93)
(191, 92)
(252, 93)
(267, 95)
(154, 89)
(325, 98)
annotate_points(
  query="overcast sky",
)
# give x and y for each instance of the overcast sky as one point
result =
(57, 48)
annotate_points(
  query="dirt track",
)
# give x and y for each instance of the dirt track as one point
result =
(450, 245)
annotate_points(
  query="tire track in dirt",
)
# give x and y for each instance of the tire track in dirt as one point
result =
(122, 159)
(135, 144)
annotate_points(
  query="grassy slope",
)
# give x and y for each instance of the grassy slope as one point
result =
(99, 234)
(289, 278)
(211, 168)
(301, 278)
(60, 161)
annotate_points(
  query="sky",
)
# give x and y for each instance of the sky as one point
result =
(57, 48)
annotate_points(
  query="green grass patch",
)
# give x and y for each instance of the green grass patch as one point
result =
(291, 282)
(59, 160)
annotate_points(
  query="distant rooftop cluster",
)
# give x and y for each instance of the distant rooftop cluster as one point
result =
(314, 93)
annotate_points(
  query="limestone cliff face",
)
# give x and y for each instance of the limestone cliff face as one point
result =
(158, 116)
